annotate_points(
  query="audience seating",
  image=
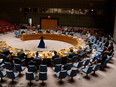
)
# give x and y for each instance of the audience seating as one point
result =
(32, 68)
(43, 76)
(19, 68)
(56, 61)
(2, 74)
(8, 66)
(79, 64)
(18, 60)
(87, 70)
(12, 75)
(61, 74)
(57, 68)
(67, 66)
(30, 76)
(43, 68)
(96, 67)
(86, 62)
(73, 72)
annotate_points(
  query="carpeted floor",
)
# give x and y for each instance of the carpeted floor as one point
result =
(106, 78)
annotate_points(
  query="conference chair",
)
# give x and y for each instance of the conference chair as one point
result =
(12, 75)
(30, 76)
(96, 67)
(73, 72)
(37, 62)
(43, 76)
(19, 68)
(18, 60)
(8, 66)
(57, 67)
(104, 64)
(17, 33)
(86, 62)
(73, 59)
(56, 61)
(78, 65)
(32, 68)
(2, 74)
(110, 57)
(43, 68)
(61, 74)
(67, 66)
(87, 70)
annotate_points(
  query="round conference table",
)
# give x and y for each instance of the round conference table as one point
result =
(47, 36)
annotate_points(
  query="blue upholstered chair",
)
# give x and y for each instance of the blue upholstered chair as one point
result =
(18, 60)
(17, 33)
(67, 66)
(30, 76)
(19, 68)
(96, 67)
(86, 62)
(32, 68)
(43, 68)
(56, 61)
(87, 70)
(61, 74)
(57, 67)
(73, 72)
(79, 64)
(12, 75)
(73, 59)
(37, 62)
(8, 66)
(104, 64)
(43, 76)
(2, 74)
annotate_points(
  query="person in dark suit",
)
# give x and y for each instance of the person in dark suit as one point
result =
(41, 44)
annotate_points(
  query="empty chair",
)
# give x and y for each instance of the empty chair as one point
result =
(30, 76)
(57, 68)
(43, 76)
(96, 67)
(32, 68)
(2, 74)
(61, 74)
(56, 61)
(19, 68)
(73, 59)
(12, 75)
(43, 68)
(37, 62)
(67, 66)
(72, 72)
(18, 61)
(87, 70)
(8, 66)
(86, 62)
(82, 54)
(79, 64)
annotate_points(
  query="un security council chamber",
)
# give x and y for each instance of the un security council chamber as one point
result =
(57, 43)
